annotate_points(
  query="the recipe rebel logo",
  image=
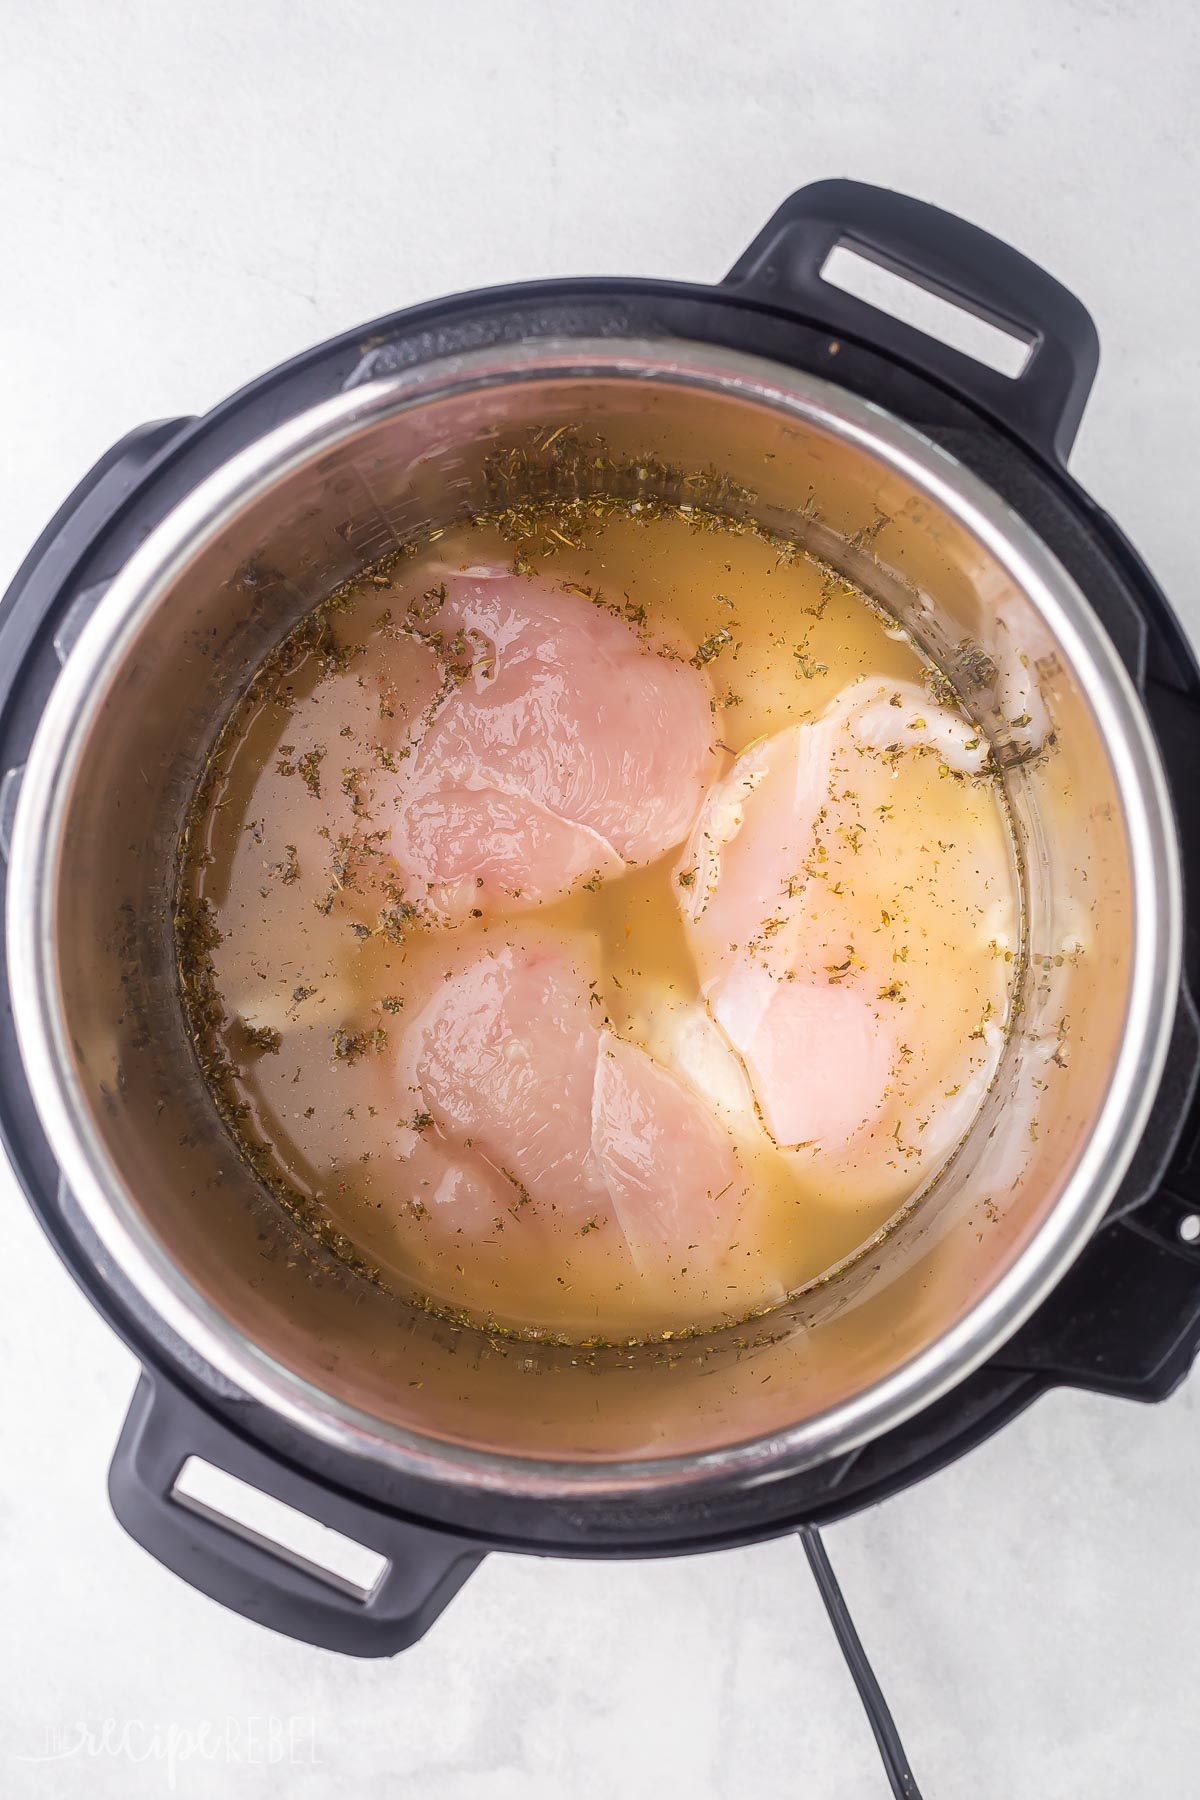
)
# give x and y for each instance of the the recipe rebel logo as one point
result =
(259, 1739)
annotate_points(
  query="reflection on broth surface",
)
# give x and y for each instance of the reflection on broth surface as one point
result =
(605, 945)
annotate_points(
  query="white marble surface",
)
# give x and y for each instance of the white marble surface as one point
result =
(189, 194)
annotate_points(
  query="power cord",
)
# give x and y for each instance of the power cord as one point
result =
(891, 1750)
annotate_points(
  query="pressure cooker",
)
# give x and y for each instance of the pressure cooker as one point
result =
(1061, 1255)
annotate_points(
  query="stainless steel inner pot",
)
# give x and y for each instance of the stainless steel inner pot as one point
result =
(126, 732)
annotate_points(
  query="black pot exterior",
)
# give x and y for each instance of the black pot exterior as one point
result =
(1126, 1320)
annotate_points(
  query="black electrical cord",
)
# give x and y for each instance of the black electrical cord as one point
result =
(891, 1750)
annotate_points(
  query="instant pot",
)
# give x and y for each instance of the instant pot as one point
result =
(1059, 1246)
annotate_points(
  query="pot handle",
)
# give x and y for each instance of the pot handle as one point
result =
(945, 255)
(248, 1572)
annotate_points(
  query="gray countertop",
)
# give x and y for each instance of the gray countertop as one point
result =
(191, 194)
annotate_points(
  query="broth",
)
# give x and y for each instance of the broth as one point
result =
(305, 961)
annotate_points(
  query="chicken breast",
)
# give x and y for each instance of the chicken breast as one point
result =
(562, 746)
(488, 747)
(799, 972)
(511, 1062)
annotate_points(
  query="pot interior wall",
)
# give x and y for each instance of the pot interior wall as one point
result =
(401, 469)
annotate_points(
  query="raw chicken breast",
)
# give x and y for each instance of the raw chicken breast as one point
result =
(668, 1165)
(511, 1062)
(563, 746)
(455, 1189)
(818, 1056)
(802, 988)
(504, 1055)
